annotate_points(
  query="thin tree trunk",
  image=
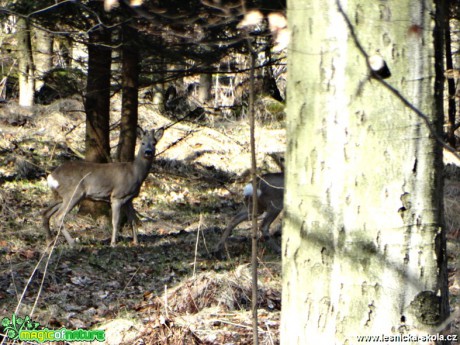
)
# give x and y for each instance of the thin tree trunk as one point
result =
(43, 55)
(451, 104)
(204, 90)
(25, 63)
(255, 229)
(130, 88)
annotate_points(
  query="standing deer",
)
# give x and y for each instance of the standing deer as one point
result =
(117, 183)
(270, 192)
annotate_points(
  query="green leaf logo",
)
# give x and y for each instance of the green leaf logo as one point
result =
(13, 327)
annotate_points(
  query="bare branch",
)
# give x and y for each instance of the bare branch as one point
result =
(393, 90)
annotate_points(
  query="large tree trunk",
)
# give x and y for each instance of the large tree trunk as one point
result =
(364, 251)
(25, 63)
(97, 108)
(130, 88)
(97, 103)
(43, 55)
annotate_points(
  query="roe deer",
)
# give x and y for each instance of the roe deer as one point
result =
(270, 192)
(117, 183)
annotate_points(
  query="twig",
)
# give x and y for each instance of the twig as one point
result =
(393, 90)
(166, 302)
(130, 279)
(176, 142)
(46, 264)
(254, 262)
(196, 245)
(54, 246)
(204, 237)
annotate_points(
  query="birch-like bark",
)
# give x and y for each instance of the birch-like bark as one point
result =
(362, 238)
(25, 63)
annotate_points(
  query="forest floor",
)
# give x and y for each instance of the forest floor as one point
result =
(169, 289)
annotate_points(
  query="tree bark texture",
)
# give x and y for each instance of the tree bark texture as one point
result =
(97, 102)
(25, 63)
(363, 246)
(130, 88)
(43, 55)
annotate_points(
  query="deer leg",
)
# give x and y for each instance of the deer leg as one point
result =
(66, 206)
(47, 214)
(116, 209)
(241, 216)
(131, 214)
(270, 216)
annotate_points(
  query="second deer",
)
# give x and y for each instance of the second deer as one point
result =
(117, 183)
(270, 192)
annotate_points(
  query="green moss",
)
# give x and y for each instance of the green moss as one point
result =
(426, 308)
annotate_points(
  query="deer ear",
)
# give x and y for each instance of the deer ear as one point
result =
(158, 134)
(140, 132)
